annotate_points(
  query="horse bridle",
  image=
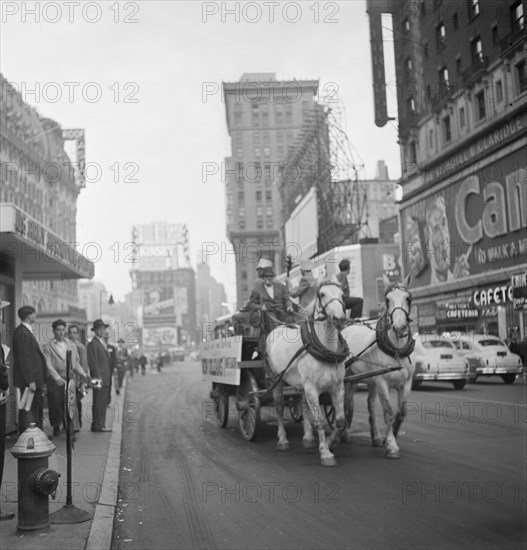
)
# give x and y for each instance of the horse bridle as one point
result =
(322, 306)
(396, 286)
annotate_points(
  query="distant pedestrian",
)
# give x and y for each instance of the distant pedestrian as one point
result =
(123, 360)
(159, 363)
(30, 369)
(4, 396)
(143, 361)
(99, 363)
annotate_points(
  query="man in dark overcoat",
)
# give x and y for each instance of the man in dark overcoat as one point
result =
(99, 364)
(29, 368)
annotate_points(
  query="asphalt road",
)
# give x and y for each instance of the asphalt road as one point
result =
(186, 483)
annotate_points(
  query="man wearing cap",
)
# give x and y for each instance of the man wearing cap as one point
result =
(30, 369)
(263, 263)
(352, 303)
(55, 353)
(99, 363)
(306, 291)
(4, 394)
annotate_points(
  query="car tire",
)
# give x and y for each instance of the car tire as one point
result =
(509, 378)
(416, 384)
(459, 384)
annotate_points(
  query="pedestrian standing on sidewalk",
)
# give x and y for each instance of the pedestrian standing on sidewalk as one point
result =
(112, 351)
(4, 395)
(81, 383)
(30, 369)
(56, 353)
(99, 363)
(123, 359)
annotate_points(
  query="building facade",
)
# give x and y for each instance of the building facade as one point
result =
(264, 118)
(40, 179)
(39, 186)
(462, 91)
(166, 281)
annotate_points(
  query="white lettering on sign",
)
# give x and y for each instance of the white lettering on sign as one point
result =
(501, 212)
(497, 295)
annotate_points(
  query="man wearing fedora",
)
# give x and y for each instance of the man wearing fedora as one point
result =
(306, 291)
(4, 394)
(30, 368)
(55, 353)
(99, 363)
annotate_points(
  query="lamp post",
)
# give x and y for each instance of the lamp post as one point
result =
(110, 301)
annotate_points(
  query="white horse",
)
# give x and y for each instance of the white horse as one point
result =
(310, 374)
(386, 342)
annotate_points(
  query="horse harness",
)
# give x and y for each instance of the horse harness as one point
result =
(381, 331)
(312, 344)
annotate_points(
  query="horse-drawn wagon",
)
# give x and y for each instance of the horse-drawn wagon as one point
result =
(308, 361)
(231, 362)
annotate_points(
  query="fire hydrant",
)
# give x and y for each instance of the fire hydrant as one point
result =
(36, 482)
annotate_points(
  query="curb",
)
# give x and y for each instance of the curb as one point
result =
(101, 529)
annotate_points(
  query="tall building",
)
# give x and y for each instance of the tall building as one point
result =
(210, 295)
(166, 281)
(461, 91)
(42, 184)
(264, 118)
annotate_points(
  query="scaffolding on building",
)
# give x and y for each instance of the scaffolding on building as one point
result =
(323, 158)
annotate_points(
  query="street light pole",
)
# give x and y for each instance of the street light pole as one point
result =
(110, 301)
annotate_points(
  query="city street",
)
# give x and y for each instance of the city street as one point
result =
(186, 483)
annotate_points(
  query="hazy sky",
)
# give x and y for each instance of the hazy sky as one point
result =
(149, 62)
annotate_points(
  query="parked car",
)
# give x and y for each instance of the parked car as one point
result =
(178, 353)
(437, 360)
(493, 354)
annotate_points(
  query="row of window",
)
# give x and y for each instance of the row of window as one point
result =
(261, 117)
(258, 195)
(517, 22)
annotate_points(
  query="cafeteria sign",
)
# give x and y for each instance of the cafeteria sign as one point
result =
(519, 291)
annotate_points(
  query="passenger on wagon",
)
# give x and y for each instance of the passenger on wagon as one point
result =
(306, 291)
(352, 303)
(271, 296)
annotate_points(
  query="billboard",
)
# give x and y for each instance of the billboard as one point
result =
(475, 224)
(301, 229)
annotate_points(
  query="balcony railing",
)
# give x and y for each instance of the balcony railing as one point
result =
(510, 43)
(477, 71)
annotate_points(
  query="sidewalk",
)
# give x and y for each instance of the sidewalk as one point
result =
(95, 476)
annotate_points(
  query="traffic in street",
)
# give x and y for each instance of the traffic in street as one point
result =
(187, 483)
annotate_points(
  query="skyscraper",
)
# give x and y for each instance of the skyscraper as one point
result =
(264, 117)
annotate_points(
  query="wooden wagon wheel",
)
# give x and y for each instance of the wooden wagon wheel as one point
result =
(221, 406)
(248, 404)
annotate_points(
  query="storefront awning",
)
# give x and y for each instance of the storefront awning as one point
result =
(40, 253)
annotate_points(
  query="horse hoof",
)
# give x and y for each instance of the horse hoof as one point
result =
(282, 447)
(393, 454)
(328, 461)
(377, 442)
(309, 443)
